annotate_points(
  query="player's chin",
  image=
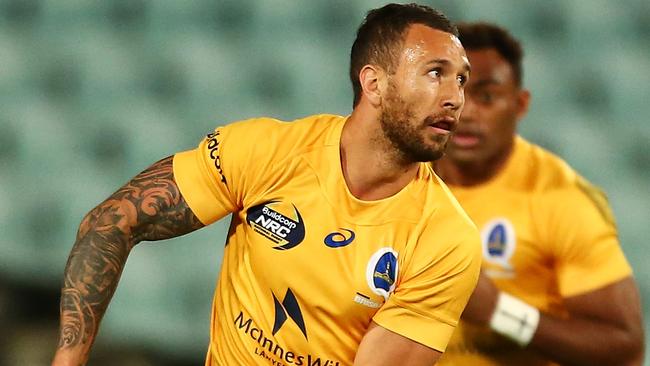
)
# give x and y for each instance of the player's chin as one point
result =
(438, 145)
(433, 153)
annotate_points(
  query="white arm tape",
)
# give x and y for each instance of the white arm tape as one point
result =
(514, 319)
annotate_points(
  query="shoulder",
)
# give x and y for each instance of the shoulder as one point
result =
(266, 138)
(544, 170)
(550, 174)
(301, 131)
(557, 185)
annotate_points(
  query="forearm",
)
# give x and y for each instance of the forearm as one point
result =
(149, 207)
(91, 276)
(585, 342)
(604, 327)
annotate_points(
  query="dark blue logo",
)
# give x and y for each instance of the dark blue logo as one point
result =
(384, 276)
(286, 230)
(497, 240)
(381, 272)
(288, 308)
(337, 239)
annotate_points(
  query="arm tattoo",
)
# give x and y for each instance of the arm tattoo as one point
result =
(149, 207)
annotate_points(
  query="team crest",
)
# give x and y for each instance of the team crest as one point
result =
(381, 272)
(498, 237)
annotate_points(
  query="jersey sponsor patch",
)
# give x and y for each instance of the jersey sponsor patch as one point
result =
(268, 347)
(279, 222)
(381, 272)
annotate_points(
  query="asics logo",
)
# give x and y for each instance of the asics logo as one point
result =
(337, 239)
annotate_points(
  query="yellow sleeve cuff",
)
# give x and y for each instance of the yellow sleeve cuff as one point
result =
(425, 330)
(195, 188)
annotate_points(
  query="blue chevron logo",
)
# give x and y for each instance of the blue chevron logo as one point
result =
(288, 309)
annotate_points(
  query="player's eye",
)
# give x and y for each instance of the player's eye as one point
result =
(435, 73)
(462, 80)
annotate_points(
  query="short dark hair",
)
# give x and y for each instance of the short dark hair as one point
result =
(381, 35)
(482, 35)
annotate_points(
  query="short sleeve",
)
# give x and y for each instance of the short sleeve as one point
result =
(435, 287)
(217, 176)
(582, 233)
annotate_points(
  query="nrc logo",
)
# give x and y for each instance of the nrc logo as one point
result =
(287, 229)
(288, 309)
(274, 226)
(338, 239)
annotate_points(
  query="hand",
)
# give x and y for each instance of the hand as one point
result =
(482, 303)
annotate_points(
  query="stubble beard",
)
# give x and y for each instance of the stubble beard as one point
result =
(407, 139)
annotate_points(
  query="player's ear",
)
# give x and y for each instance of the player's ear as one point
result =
(523, 101)
(372, 80)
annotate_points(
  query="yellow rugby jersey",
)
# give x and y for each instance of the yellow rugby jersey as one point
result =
(307, 266)
(547, 234)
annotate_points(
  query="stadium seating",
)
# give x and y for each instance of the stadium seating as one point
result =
(93, 92)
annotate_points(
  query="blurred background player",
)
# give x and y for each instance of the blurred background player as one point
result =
(555, 285)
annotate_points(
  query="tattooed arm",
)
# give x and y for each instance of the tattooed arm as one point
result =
(149, 207)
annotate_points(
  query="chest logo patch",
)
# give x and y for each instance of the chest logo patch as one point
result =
(338, 239)
(381, 272)
(499, 241)
(279, 222)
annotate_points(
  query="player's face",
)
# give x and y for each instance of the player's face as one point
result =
(424, 96)
(494, 103)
